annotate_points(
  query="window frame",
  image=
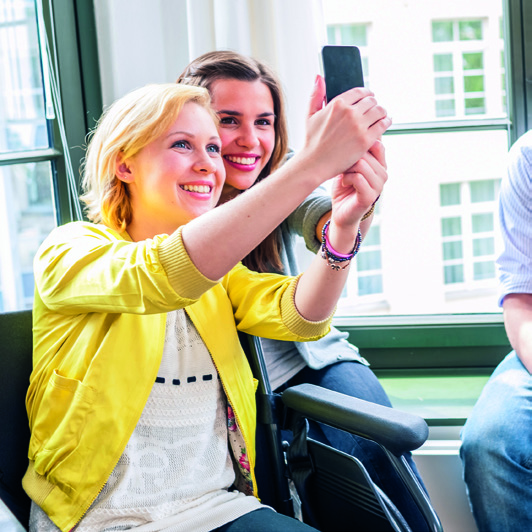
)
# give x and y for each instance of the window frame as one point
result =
(74, 57)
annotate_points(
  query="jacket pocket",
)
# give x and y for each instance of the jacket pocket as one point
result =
(60, 420)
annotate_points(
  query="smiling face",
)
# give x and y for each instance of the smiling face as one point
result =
(175, 178)
(247, 130)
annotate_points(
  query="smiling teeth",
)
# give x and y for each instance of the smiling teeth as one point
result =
(241, 160)
(202, 189)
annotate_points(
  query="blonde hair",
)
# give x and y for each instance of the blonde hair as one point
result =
(126, 127)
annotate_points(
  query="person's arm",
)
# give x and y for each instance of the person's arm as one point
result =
(518, 323)
(337, 136)
(320, 286)
(515, 261)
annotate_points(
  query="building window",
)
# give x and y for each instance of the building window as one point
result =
(459, 70)
(27, 212)
(468, 222)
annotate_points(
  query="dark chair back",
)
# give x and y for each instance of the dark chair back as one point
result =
(335, 491)
(15, 368)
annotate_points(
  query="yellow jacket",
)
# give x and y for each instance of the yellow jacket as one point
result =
(98, 330)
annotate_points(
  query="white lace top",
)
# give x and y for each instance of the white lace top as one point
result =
(176, 470)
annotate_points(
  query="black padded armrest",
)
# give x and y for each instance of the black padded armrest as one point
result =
(397, 431)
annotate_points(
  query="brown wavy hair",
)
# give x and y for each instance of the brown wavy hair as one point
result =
(225, 64)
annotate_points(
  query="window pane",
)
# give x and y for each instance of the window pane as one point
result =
(26, 208)
(452, 250)
(444, 85)
(482, 222)
(373, 238)
(331, 34)
(451, 226)
(442, 31)
(475, 106)
(370, 284)
(454, 274)
(450, 194)
(483, 246)
(369, 260)
(482, 191)
(473, 83)
(354, 34)
(445, 108)
(470, 30)
(443, 62)
(22, 118)
(474, 61)
(484, 270)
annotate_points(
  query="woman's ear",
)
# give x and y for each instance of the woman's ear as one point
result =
(122, 170)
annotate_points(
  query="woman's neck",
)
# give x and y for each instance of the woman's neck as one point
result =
(229, 193)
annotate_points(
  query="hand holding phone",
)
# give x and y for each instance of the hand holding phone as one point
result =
(342, 68)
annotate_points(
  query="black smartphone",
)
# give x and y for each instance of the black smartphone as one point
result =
(342, 69)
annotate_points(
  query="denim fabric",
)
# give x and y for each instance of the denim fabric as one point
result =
(265, 520)
(496, 450)
(357, 380)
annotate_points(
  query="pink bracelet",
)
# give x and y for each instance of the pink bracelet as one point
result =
(325, 232)
(333, 258)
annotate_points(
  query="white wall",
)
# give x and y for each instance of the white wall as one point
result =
(151, 41)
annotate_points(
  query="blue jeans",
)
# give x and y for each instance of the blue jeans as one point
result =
(265, 520)
(357, 380)
(496, 450)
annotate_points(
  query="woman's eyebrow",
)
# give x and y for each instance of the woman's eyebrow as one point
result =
(190, 135)
(237, 113)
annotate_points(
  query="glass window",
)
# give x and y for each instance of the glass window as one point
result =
(468, 73)
(27, 216)
(446, 154)
(473, 61)
(442, 31)
(28, 173)
(443, 62)
(444, 86)
(22, 118)
(483, 190)
(449, 194)
(470, 30)
(482, 222)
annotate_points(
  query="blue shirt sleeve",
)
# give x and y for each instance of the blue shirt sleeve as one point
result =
(515, 216)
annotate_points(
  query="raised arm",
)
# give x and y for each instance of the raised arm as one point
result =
(320, 287)
(337, 137)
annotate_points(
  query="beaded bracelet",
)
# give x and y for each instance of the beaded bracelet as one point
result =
(371, 209)
(333, 258)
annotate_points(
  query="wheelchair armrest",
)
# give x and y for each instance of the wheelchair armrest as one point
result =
(395, 430)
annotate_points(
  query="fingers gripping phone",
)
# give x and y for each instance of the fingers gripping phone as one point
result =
(342, 68)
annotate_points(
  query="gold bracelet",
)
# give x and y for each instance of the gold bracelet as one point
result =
(369, 213)
(372, 208)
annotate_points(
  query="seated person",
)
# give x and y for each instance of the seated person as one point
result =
(248, 97)
(141, 402)
(497, 438)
